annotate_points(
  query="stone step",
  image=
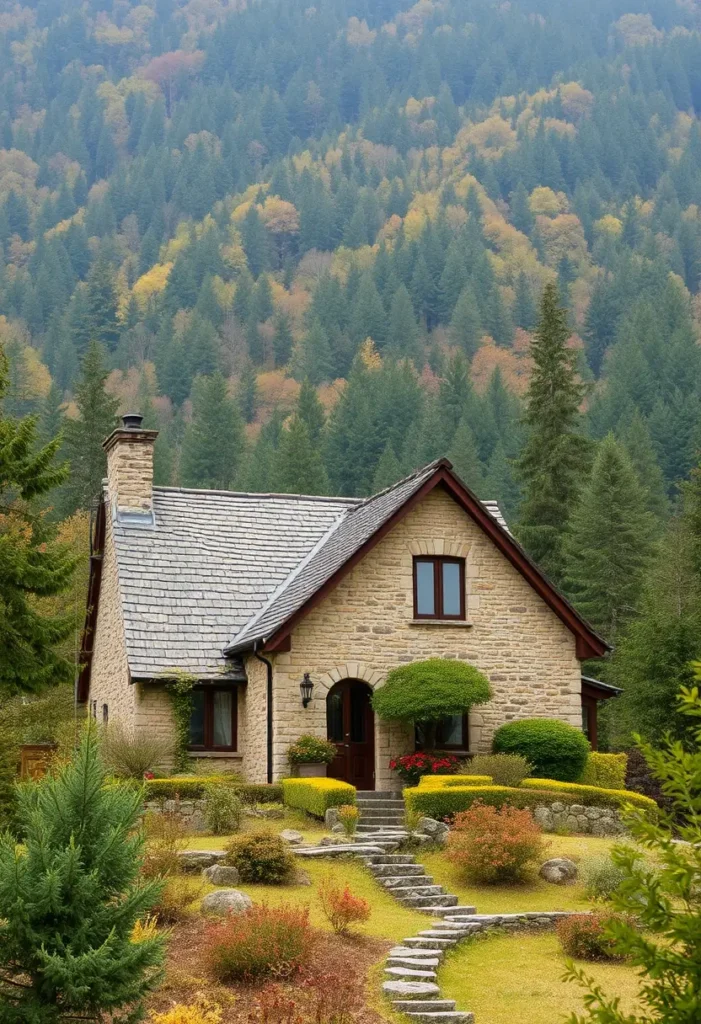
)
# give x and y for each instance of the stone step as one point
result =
(378, 794)
(410, 973)
(414, 888)
(386, 870)
(410, 989)
(335, 851)
(381, 825)
(404, 881)
(408, 951)
(388, 804)
(412, 961)
(429, 902)
(444, 1017)
(429, 934)
(443, 911)
(429, 940)
(381, 810)
(390, 858)
(451, 922)
(423, 1005)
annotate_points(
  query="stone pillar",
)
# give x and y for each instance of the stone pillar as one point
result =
(130, 467)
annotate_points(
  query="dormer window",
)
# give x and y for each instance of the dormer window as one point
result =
(439, 587)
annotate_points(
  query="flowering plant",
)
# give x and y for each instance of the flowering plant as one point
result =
(411, 767)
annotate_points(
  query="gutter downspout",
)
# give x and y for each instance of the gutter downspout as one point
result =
(269, 710)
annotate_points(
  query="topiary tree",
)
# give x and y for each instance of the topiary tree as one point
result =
(427, 691)
(555, 749)
(69, 899)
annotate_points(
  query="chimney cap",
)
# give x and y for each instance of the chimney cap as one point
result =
(132, 421)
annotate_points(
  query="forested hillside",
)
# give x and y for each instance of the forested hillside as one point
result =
(310, 243)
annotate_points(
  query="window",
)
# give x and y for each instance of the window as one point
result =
(105, 714)
(439, 588)
(213, 719)
(452, 733)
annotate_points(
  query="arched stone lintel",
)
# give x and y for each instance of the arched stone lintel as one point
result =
(351, 670)
(451, 548)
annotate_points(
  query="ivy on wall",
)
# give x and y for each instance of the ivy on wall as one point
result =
(179, 690)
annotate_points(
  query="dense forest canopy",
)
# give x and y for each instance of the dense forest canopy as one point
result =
(310, 243)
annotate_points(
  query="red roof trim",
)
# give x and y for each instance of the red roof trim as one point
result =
(588, 643)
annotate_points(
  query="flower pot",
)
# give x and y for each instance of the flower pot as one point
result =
(316, 770)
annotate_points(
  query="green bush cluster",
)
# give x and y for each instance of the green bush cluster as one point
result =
(194, 787)
(555, 749)
(310, 749)
(601, 876)
(504, 769)
(315, 796)
(223, 810)
(593, 796)
(262, 857)
(605, 770)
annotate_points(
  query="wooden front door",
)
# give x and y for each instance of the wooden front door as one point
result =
(350, 725)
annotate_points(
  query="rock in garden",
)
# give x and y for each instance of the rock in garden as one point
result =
(195, 860)
(331, 817)
(410, 989)
(339, 829)
(559, 870)
(431, 827)
(292, 837)
(226, 901)
(221, 874)
(301, 877)
(333, 841)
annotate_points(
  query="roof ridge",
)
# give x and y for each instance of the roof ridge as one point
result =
(436, 464)
(258, 494)
(292, 575)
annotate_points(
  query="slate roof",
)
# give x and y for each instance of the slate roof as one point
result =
(220, 569)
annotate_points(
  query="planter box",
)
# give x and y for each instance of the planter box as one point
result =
(312, 771)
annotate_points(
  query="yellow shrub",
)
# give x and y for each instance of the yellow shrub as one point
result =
(145, 929)
(608, 771)
(593, 796)
(315, 796)
(202, 1012)
(441, 781)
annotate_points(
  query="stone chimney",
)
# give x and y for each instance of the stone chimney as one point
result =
(130, 468)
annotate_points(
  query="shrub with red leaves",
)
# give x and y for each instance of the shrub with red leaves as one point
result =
(495, 844)
(335, 997)
(584, 937)
(262, 942)
(411, 767)
(341, 908)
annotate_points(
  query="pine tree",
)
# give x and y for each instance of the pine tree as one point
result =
(388, 470)
(312, 359)
(500, 483)
(70, 896)
(555, 457)
(609, 542)
(465, 458)
(101, 304)
(31, 564)
(465, 326)
(247, 393)
(299, 466)
(83, 436)
(402, 335)
(282, 339)
(641, 451)
(525, 312)
(368, 317)
(311, 411)
(213, 444)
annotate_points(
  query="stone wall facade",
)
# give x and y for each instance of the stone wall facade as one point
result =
(594, 821)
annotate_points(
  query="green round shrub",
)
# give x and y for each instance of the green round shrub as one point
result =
(555, 749)
(261, 857)
(427, 691)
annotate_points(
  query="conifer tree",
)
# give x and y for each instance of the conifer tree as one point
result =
(525, 312)
(368, 317)
(83, 436)
(247, 393)
(70, 896)
(312, 359)
(387, 471)
(213, 444)
(638, 444)
(465, 325)
(101, 304)
(282, 339)
(402, 335)
(609, 543)
(500, 483)
(311, 411)
(300, 469)
(465, 458)
(555, 457)
(31, 564)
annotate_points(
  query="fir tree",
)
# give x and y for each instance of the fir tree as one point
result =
(525, 312)
(70, 896)
(368, 317)
(247, 393)
(83, 436)
(214, 441)
(465, 325)
(402, 335)
(500, 483)
(31, 564)
(555, 457)
(300, 469)
(638, 444)
(465, 458)
(101, 304)
(388, 470)
(282, 339)
(313, 360)
(311, 411)
(609, 542)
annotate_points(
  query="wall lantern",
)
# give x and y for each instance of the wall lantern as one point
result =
(306, 688)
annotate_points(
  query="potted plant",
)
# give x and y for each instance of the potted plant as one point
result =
(310, 755)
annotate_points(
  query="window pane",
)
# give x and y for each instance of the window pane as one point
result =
(450, 732)
(334, 717)
(197, 719)
(451, 588)
(359, 701)
(223, 703)
(425, 594)
(585, 721)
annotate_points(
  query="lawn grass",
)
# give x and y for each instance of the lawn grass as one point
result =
(310, 828)
(537, 894)
(505, 979)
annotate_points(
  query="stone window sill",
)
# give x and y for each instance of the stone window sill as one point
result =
(214, 753)
(455, 623)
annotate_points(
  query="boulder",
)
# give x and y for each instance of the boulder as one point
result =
(221, 874)
(331, 817)
(226, 901)
(558, 870)
(292, 837)
(301, 877)
(335, 840)
(195, 860)
(431, 827)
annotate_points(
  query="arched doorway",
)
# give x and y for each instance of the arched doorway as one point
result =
(350, 724)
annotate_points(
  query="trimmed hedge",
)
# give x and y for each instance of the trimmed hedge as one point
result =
(556, 749)
(605, 770)
(445, 801)
(315, 796)
(438, 781)
(194, 787)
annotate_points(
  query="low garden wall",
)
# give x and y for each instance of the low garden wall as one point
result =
(191, 812)
(595, 821)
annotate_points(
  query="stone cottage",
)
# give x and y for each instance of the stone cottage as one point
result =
(267, 600)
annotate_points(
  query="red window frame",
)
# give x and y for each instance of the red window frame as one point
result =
(209, 692)
(438, 562)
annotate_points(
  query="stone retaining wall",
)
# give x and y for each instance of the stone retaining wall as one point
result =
(191, 811)
(595, 821)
